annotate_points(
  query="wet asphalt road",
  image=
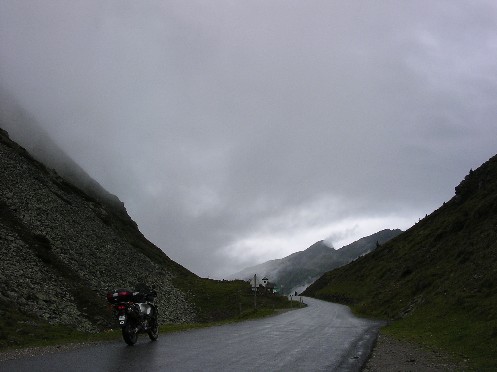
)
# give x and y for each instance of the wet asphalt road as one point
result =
(320, 337)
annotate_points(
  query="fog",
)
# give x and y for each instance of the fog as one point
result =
(236, 132)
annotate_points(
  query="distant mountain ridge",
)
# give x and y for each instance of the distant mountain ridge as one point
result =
(298, 270)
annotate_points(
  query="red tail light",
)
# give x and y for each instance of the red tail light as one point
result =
(121, 307)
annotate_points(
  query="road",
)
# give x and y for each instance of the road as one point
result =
(321, 337)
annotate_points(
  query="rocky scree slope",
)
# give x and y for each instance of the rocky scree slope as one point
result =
(61, 250)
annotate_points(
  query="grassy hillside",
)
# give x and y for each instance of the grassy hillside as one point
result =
(438, 280)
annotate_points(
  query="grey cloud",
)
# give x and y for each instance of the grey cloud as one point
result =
(213, 122)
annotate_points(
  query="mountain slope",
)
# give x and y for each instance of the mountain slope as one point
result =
(26, 131)
(296, 271)
(438, 279)
(62, 250)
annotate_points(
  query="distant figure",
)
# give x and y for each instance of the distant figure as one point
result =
(295, 293)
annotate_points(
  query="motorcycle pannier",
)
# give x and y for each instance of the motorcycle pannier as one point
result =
(120, 295)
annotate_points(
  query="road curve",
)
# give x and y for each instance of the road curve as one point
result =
(321, 337)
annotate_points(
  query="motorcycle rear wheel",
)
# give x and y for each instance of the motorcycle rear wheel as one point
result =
(153, 331)
(130, 335)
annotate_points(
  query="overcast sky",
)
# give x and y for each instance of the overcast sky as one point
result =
(241, 131)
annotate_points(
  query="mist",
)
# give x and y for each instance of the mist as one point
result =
(239, 132)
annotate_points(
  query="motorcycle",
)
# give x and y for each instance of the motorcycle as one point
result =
(135, 313)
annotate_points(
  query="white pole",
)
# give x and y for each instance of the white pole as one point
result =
(255, 292)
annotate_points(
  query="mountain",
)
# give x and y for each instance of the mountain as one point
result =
(25, 130)
(295, 272)
(62, 249)
(437, 281)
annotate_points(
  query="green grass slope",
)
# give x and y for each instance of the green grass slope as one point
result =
(437, 281)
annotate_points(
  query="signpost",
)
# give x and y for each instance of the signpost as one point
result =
(255, 291)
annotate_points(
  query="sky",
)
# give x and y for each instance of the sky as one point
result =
(236, 132)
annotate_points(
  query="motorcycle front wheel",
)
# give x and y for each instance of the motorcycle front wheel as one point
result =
(130, 335)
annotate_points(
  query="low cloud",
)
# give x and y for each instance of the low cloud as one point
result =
(244, 131)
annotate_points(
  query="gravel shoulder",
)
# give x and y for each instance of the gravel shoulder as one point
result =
(390, 354)
(42, 350)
